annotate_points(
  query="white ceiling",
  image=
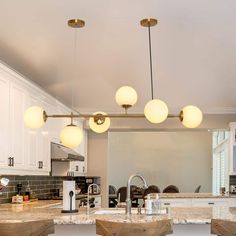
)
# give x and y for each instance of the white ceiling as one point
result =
(194, 50)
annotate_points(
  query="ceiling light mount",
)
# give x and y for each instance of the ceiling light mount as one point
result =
(99, 119)
(148, 22)
(76, 23)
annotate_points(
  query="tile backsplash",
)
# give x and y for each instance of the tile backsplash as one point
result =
(41, 186)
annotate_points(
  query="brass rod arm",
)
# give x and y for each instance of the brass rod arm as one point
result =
(108, 115)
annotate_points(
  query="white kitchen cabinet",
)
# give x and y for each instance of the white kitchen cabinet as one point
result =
(176, 202)
(17, 127)
(38, 148)
(24, 150)
(198, 202)
(4, 122)
(210, 202)
(12, 125)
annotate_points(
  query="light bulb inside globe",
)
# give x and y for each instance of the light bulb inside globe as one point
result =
(126, 96)
(34, 117)
(71, 136)
(191, 116)
(156, 111)
(99, 123)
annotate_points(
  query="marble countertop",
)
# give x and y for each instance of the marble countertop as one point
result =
(42, 210)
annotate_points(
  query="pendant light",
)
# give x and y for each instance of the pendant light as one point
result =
(72, 135)
(34, 117)
(126, 97)
(156, 111)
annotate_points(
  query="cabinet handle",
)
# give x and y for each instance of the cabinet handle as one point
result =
(12, 161)
(211, 203)
(9, 161)
(83, 169)
(76, 168)
(40, 165)
(167, 204)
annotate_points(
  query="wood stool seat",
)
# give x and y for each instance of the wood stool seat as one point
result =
(223, 227)
(155, 228)
(31, 228)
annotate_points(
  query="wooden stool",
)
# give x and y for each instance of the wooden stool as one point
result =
(156, 228)
(31, 228)
(223, 227)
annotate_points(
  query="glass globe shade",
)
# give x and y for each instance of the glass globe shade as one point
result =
(156, 111)
(33, 117)
(192, 116)
(126, 95)
(99, 128)
(71, 136)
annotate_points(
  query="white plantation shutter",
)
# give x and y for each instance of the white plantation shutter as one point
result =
(220, 161)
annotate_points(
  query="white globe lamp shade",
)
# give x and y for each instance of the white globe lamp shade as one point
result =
(102, 126)
(191, 116)
(34, 117)
(156, 111)
(71, 136)
(126, 96)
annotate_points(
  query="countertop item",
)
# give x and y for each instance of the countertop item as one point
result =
(40, 210)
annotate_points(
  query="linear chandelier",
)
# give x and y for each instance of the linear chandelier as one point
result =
(155, 111)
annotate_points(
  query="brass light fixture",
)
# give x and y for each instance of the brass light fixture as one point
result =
(156, 111)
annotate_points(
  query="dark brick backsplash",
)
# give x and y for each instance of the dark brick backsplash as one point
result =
(42, 186)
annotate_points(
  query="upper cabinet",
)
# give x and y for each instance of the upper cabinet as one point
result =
(232, 149)
(4, 121)
(23, 150)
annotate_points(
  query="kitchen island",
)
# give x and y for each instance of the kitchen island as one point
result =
(186, 220)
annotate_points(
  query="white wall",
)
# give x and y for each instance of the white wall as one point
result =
(97, 161)
(163, 158)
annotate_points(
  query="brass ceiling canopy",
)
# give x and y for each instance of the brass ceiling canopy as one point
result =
(76, 23)
(148, 22)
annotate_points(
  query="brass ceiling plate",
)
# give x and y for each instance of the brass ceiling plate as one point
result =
(76, 23)
(148, 22)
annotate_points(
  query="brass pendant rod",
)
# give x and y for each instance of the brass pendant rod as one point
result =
(108, 115)
(150, 57)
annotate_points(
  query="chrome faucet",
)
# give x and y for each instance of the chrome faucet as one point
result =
(128, 199)
(89, 187)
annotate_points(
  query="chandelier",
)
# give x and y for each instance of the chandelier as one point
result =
(155, 111)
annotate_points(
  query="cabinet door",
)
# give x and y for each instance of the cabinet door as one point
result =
(4, 121)
(210, 202)
(32, 138)
(17, 127)
(38, 148)
(176, 202)
(45, 138)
